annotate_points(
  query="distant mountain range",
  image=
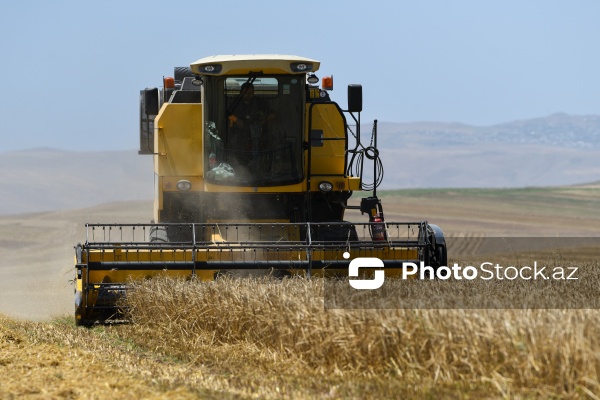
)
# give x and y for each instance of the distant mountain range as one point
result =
(556, 150)
(48, 179)
(559, 149)
(562, 130)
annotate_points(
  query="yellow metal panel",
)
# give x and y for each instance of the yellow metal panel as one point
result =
(353, 183)
(178, 140)
(227, 253)
(338, 182)
(295, 188)
(328, 159)
(387, 253)
(169, 183)
(216, 253)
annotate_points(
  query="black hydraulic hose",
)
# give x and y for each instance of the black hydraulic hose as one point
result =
(371, 153)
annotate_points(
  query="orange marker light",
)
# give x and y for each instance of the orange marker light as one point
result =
(327, 83)
(169, 82)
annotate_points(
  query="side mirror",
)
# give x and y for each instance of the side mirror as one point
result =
(355, 98)
(151, 101)
(148, 110)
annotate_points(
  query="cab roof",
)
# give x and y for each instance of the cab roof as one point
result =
(246, 63)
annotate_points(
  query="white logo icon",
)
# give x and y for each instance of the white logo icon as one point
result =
(366, 262)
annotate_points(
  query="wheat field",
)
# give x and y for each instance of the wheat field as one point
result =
(266, 338)
(282, 326)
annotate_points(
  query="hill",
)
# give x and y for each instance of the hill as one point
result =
(551, 151)
(45, 179)
(556, 130)
(559, 149)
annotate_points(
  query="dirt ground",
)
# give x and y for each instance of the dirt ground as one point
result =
(36, 250)
(37, 254)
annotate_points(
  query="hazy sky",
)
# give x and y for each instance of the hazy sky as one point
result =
(72, 70)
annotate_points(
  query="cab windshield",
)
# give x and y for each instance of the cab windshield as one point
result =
(253, 130)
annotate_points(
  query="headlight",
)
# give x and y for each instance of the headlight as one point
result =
(197, 81)
(184, 185)
(325, 186)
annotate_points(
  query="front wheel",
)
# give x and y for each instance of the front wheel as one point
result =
(436, 255)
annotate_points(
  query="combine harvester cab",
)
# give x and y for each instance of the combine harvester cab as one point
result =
(253, 169)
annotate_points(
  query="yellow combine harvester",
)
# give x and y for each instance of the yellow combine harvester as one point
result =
(253, 169)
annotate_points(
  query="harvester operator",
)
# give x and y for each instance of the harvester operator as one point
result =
(250, 110)
(251, 121)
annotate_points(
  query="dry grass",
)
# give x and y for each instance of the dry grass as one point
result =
(277, 334)
(59, 361)
(249, 338)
